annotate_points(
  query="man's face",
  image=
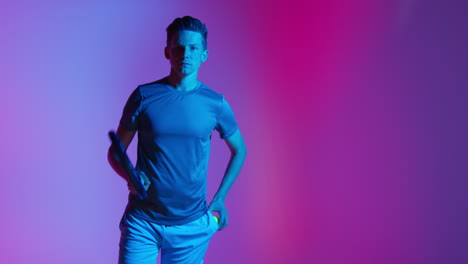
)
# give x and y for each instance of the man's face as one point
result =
(185, 52)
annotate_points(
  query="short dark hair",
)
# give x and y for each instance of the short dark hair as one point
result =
(187, 23)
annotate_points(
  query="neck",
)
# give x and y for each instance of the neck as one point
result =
(183, 83)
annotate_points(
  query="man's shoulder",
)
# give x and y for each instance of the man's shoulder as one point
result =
(207, 91)
(149, 89)
(155, 84)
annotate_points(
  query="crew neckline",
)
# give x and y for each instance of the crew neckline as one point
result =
(173, 89)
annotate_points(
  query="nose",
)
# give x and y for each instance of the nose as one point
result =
(186, 52)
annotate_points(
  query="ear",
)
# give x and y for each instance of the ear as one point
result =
(204, 55)
(166, 52)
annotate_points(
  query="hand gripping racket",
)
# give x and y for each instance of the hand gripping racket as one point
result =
(121, 156)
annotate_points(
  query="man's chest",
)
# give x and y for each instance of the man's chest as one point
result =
(179, 118)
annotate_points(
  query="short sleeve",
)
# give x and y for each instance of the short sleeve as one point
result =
(132, 109)
(226, 123)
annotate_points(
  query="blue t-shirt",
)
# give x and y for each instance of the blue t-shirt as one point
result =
(174, 134)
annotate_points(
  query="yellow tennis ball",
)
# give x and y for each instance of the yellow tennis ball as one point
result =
(216, 219)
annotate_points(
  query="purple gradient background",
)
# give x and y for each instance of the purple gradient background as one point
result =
(354, 112)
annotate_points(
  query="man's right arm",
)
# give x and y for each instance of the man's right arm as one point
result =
(126, 136)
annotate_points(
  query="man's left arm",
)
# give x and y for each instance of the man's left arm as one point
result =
(238, 153)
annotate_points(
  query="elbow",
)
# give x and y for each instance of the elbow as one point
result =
(241, 151)
(110, 157)
(244, 151)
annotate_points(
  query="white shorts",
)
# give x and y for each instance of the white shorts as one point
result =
(141, 241)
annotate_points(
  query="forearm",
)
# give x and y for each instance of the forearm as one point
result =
(232, 172)
(116, 166)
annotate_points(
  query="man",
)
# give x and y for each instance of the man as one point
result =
(175, 117)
